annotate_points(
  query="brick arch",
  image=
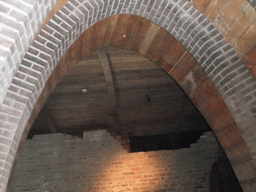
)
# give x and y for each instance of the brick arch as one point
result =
(22, 20)
(179, 64)
(213, 54)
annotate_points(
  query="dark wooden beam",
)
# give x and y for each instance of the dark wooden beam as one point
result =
(108, 77)
(111, 90)
(45, 117)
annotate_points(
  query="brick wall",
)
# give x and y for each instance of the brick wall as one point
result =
(59, 162)
(228, 73)
(20, 22)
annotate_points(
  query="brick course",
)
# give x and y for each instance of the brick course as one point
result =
(163, 9)
(59, 162)
(21, 21)
(182, 20)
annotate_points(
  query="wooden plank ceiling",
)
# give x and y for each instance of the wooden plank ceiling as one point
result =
(126, 93)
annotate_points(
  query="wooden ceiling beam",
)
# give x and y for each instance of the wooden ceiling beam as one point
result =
(48, 121)
(108, 77)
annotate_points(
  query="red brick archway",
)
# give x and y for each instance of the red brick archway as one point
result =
(172, 57)
(215, 56)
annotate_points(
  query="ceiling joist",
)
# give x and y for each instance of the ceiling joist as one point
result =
(108, 77)
(47, 120)
(127, 95)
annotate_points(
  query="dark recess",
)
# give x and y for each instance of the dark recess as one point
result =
(164, 142)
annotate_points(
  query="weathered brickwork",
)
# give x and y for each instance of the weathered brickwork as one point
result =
(20, 22)
(165, 51)
(234, 19)
(214, 54)
(23, 19)
(97, 162)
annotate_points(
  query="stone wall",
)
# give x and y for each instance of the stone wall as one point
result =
(59, 162)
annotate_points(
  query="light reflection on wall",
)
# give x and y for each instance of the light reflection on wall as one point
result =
(132, 172)
(180, 170)
(97, 162)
